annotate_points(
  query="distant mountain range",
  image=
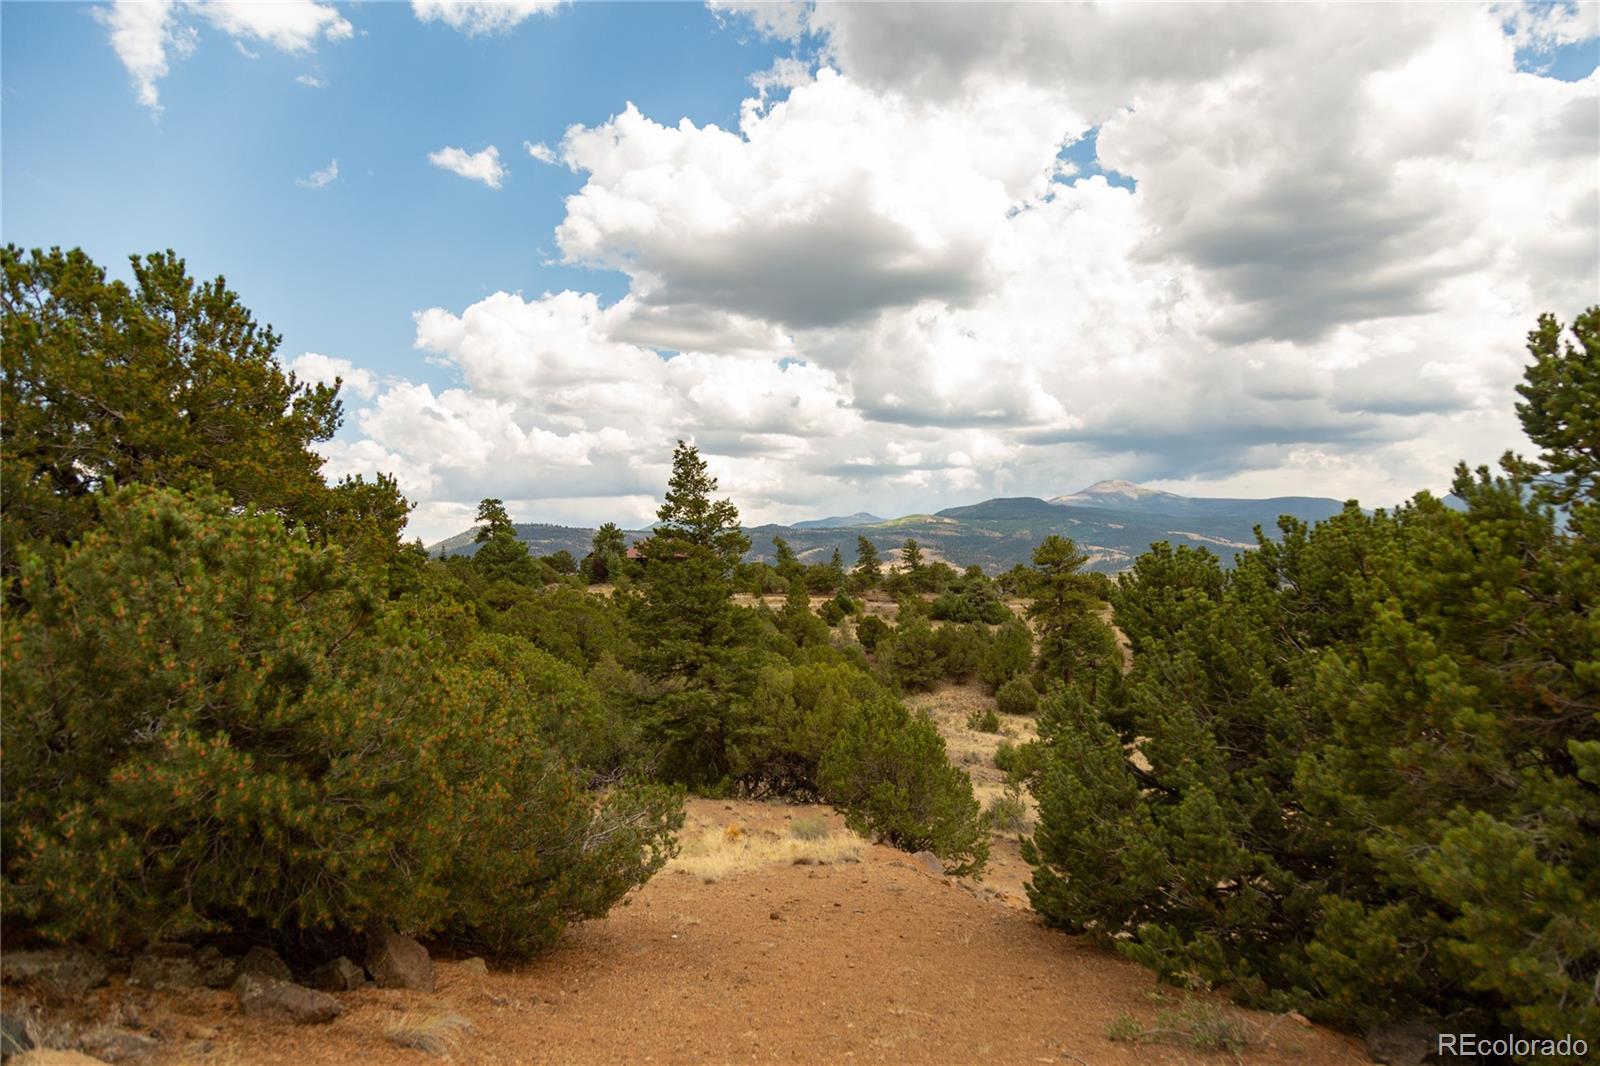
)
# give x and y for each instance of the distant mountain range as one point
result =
(860, 518)
(1113, 521)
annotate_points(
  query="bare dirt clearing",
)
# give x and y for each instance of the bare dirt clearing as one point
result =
(874, 960)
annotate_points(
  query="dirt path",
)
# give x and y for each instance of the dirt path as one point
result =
(873, 960)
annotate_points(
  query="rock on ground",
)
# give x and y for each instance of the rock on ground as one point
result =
(267, 963)
(117, 1045)
(216, 969)
(475, 966)
(929, 862)
(61, 970)
(274, 1000)
(1402, 1043)
(397, 961)
(338, 975)
(165, 971)
(13, 1035)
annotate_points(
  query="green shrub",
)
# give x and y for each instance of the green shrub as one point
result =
(984, 720)
(961, 649)
(870, 629)
(209, 727)
(889, 770)
(912, 654)
(1006, 813)
(1197, 1024)
(1016, 761)
(1010, 654)
(973, 602)
(831, 613)
(846, 604)
(567, 622)
(561, 706)
(1017, 696)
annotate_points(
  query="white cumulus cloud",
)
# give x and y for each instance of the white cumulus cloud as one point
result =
(886, 290)
(319, 179)
(144, 33)
(480, 17)
(319, 369)
(481, 166)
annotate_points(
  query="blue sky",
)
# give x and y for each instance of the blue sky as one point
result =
(885, 257)
(340, 269)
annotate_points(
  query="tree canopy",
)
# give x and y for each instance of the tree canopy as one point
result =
(165, 382)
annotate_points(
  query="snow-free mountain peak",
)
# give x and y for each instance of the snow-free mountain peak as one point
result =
(1113, 494)
(860, 518)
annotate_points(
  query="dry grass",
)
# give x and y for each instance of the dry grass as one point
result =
(715, 854)
(435, 1032)
(813, 828)
(1196, 1024)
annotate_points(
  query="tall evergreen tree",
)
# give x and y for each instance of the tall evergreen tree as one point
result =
(493, 521)
(1074, 641)
(1562, 390)
(786, 563)
(690, 514)
(608, 554)
(868, 571)
(689, 632)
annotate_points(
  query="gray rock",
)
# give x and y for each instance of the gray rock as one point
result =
(267, 963)
(117, 1045)
(14, 1036)
(284, 1001)
(338, 975)
(397, 961)
(1402, 1043)
(475, 966)
(929, 862)
(165, 971)
(62, 970)
(216, 969)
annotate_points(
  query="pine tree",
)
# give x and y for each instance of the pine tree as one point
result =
(688, 630)
(1562, 390)
(493, 521)
(690, 514)
(786, 563)
(165, 382)
(608, 554)
(1074, 642)
(868, 571)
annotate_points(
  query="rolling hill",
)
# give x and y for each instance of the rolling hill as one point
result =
(1113, 521)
